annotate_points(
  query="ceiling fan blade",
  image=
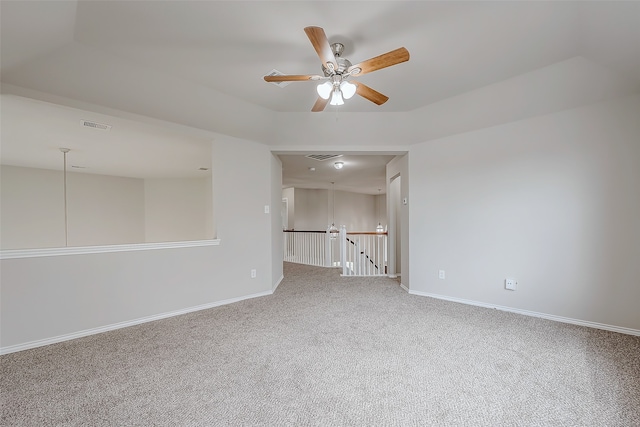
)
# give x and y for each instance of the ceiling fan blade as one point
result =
(382, 61)
(321, 44)
(370, 94)
(292, 78)
(320, 104)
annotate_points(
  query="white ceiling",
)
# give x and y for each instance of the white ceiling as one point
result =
(33, 132)
(361, 173)
(199, 64)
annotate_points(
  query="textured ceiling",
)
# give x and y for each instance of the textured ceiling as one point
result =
(455, 47)
(199, 64)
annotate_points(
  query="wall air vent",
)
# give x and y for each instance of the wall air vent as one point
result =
(323, 157)
(277, 73)
(95, 125)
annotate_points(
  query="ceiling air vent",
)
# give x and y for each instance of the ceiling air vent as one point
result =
(323, 157)
(95, 125)
(277, 73)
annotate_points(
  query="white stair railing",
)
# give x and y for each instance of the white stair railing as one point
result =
(363, 253)
(305, 247)
(358, 253)
(310, 247)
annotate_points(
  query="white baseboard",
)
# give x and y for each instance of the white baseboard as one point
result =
(93, 331)
(404, 287)
(277, 283)
(620, 329)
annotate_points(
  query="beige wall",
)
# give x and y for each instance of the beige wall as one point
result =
(45, 299)
(381, 210)
(355, 210)
(105, 210)
(277, 238)
(177, 209)
(31, 208)
(102, 210)
(552, 201)
(314, 210)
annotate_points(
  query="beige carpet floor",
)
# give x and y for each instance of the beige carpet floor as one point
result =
(330, 351)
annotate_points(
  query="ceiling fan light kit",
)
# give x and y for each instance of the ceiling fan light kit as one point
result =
(336, 97)
(337, 70)
(348, 89)
(324, 90)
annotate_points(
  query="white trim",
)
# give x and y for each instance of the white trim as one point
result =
(394, 150)
(81, 250)
(363, 275)
(620, 329)
(404, 287)
(278, 283)
(120, 325)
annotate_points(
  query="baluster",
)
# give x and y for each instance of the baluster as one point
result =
(378, 252)
(327, 249)
(358, 256)
(314, 256)
(370, 256)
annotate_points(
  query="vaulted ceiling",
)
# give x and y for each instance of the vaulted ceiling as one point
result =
(200, 64)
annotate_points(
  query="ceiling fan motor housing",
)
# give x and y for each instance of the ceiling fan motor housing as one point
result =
(343, 63)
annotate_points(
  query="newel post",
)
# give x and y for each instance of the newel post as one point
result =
(343, 249)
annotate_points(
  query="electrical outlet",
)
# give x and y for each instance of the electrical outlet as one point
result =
(510, 284)
(253, 273)
(441, 274)
(266, 209)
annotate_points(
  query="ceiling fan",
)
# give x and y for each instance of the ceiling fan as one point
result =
(338, 72)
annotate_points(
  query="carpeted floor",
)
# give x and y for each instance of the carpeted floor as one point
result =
(330, 351)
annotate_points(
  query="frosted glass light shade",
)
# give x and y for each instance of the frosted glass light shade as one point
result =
(336, 98)
(333, 230)
(348, 89)
(324, 90)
